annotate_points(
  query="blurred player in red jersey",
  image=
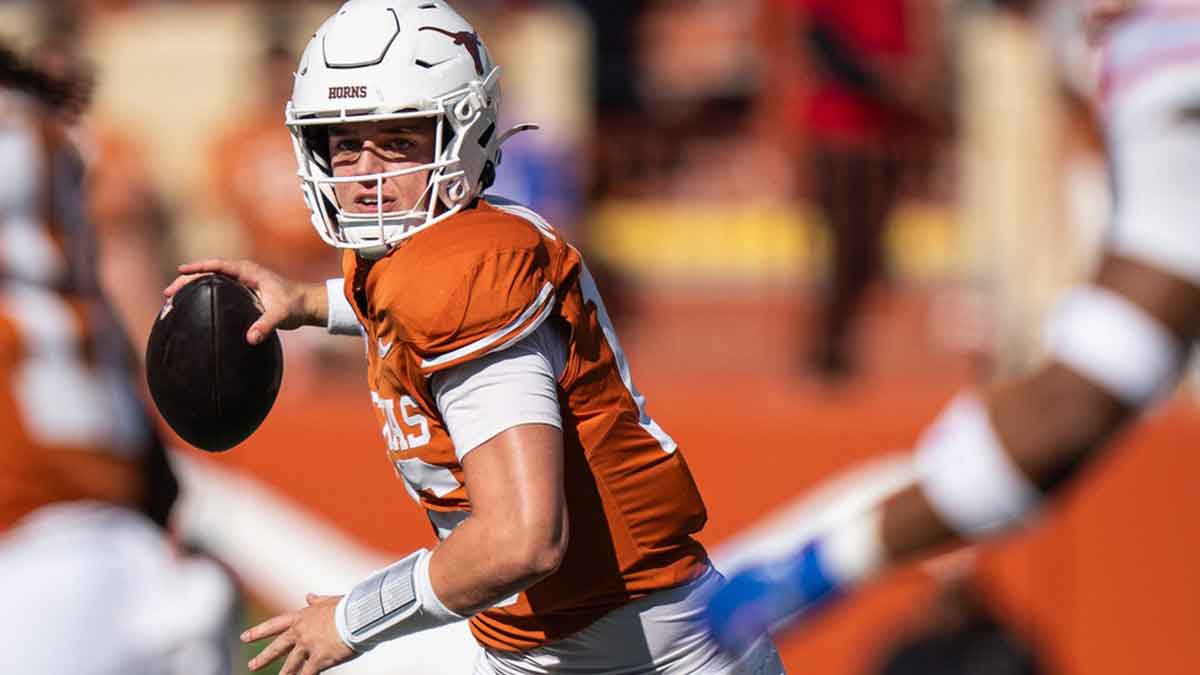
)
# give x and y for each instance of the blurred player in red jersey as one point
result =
(564, 513)
(867, 74)
(1116, 345)
(91, 581)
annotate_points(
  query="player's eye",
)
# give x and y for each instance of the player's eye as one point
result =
(399, 145)
(346, 146)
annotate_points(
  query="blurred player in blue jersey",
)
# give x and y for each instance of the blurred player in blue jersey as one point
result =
(1117, 344)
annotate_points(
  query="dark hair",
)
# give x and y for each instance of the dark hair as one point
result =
(68, 95)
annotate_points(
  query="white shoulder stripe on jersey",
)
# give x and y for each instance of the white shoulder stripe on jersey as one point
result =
(528, 330)
(519, 210)
(543, 303)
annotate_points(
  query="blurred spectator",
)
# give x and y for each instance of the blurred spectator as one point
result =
(674, 94)
(1032, 222)
(543, 49)
(130, 218)
(613, 57)
(870, 66)
(253, 171)
(681, 129)
(133, 226)
(544, 177)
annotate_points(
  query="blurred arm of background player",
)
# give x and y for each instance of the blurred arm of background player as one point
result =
(1052, 421)
(1116, 346)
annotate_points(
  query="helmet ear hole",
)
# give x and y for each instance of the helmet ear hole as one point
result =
(456, 190)
(465, 109)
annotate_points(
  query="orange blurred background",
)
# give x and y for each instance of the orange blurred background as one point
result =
(688, 150)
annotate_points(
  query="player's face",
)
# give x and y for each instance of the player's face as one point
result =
(381, 147)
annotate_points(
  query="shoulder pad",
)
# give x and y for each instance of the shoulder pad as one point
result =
(471, 286)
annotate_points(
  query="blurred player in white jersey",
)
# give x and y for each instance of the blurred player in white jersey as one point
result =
(90, 580)
(1116, 345)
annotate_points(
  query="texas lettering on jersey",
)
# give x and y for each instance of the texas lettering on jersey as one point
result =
(475, 284)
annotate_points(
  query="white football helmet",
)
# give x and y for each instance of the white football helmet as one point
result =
(380, 60)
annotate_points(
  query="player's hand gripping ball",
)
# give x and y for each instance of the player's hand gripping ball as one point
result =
(211, 385)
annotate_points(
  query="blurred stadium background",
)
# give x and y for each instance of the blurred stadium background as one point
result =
(699, 152)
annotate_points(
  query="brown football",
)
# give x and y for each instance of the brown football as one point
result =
(212, 386)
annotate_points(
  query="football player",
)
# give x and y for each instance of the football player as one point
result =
(564, 514)
(1116, 345)
(92, 582)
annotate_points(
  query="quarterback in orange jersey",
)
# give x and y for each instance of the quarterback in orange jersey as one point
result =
(564, 515)
(92, 584)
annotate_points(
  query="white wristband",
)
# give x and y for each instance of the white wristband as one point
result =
(341, 318)
(1114, 343)
(853, 550)
(396, 601)
(966, 475)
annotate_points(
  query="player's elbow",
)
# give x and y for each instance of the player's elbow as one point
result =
(545, 553)
(537, 563)
(1052, 448)
(537, 550)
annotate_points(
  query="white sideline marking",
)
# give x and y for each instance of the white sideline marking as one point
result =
(808, 514)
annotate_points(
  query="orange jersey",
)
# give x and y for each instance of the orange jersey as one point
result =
(474, 284)
(72, 426)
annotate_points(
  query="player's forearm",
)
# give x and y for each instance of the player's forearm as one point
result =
(482, 563)
(517, 533)
(983, 467)
(1046, 449)
(312, 304)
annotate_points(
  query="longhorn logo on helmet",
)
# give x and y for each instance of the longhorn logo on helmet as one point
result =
(467, 40)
